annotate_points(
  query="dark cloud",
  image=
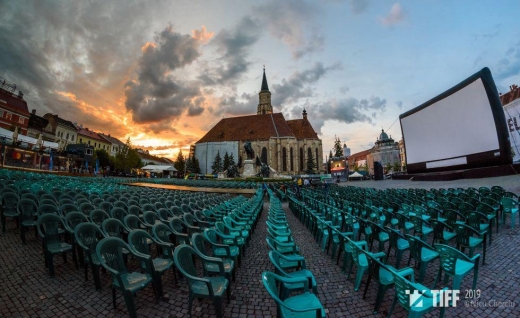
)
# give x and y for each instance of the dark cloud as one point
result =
(234, 47)
(289, 21)
(344, 89)
(509, 65)
(297, 86)
(399, 104)
(348, 110)
(157, 95)
(235, 105)
(358, 6)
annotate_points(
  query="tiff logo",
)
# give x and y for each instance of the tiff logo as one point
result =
(441, 298)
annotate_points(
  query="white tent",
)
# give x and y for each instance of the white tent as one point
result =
(356, 175)
(158, 168)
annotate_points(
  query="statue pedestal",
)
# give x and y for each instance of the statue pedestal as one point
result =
(249, 168)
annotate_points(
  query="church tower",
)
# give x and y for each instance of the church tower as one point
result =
(264, 98)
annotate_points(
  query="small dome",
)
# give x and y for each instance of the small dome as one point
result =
(383, 135)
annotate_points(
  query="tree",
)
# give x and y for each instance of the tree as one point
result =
(196, 165)
(225, 164)
(338, 149)
(180, 162)
(231, 160)
(388, 167)
(127, 158)
(189, 165)
(330, 154)
(310, 165)
(396, 167)
(217, 164)
(363, 167)
(103, 157)
(355, 167)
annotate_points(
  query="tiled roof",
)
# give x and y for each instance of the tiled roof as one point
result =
(510, 96)
(302, 128)
(65, 122)
(253, 127)
(148, 156)
(112, 140)
(14, 101)
(90, 134)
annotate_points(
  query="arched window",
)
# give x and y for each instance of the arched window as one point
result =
(309, 157)
(284, 159)
(291, 158)
(301, 159)
(264, 156)
(317, 159)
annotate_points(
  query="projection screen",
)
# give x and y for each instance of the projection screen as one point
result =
(463, 127)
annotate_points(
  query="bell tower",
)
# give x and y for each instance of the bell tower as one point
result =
(264, 98)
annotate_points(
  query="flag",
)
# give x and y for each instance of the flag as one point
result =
(51, 160)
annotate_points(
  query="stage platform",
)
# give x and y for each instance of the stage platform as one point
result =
(477, 173)
(244, 192)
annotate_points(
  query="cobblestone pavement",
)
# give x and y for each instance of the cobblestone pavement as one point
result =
(27, 291)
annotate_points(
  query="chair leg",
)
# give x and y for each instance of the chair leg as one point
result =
(438, 277)
(190, 304)
(114, 297)
(392, 307)
(217, 302)
(50, 263)
(381, 290)
(95, 274)
(422, 271)
(130, 305)
(86, 271)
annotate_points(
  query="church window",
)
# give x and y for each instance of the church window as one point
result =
(264, 155)
(317, 162)
(284, 159)
(301, 159)
(291, 159)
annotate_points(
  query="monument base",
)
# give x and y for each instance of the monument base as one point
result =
(249, 168)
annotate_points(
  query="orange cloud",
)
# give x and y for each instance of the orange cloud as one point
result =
(202, 35)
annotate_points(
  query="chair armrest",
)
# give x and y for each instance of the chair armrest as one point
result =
(407, 271)
(215, 260)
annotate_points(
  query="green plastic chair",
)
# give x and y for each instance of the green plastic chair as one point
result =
(509, 206)
(199, 243)
(48, 229)
(303, 305)
(97, 216)
(212, 287)
(420, 228)
(139, 241)
(422, 253)
(399, 243)
(383, 274)
(109, 252)
(360, 259)
(442, 232)
(220, 249)
(423, 303)
(456, 264)
(28, 210)
(9, 208)
(468, 237)
(87, 236)
(279, 260)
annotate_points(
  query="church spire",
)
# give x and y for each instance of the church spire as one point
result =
(264, 83)
(264, 98)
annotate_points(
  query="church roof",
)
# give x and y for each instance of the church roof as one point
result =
(302, 128)
(261, 127)
(264, 83)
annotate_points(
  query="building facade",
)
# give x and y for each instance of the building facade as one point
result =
(116, 145)
(13, 108)
(284, 145)
(92, 138)
(385, 151)
(64, 131)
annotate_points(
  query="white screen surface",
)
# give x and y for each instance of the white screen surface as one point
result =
(458, 125)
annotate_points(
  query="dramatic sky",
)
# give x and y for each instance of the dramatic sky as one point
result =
(164, 72)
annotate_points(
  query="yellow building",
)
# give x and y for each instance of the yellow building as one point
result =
(92, 138)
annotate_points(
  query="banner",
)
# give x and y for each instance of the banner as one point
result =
(512, 112)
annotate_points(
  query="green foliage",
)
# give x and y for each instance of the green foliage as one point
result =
(388, 167)
(192, 165)
(330, 154)
(363, 167)
(217, 164)
(338, 149)
(180, 162)
(231, 160)
(226, 163)
(128, 158)
(396, 167)
(310, 165)
(355, 167)
(103, 157)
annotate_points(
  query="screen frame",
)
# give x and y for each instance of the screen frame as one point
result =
(499, 156)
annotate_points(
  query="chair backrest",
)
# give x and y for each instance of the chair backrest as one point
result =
(97, 216)
(150, 217)
(132, 222)
(67, 208)
(86, 207)
(508, 204)
(176, 211)
(48, 208)
(449, 256)
(416, 246)
(161, 232)
(147, 207)
(110, 254)
(464, 234)
(48, 227)
(28, 209)
(134, 209)
(403, 289)
(113, 227)
(185, 208)
(198, 241)
(88, 235)
(269, 280)
(120, 204)
(138, 240)
(183, 258)
(164, 214)
(74, 218)
(118, 213)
